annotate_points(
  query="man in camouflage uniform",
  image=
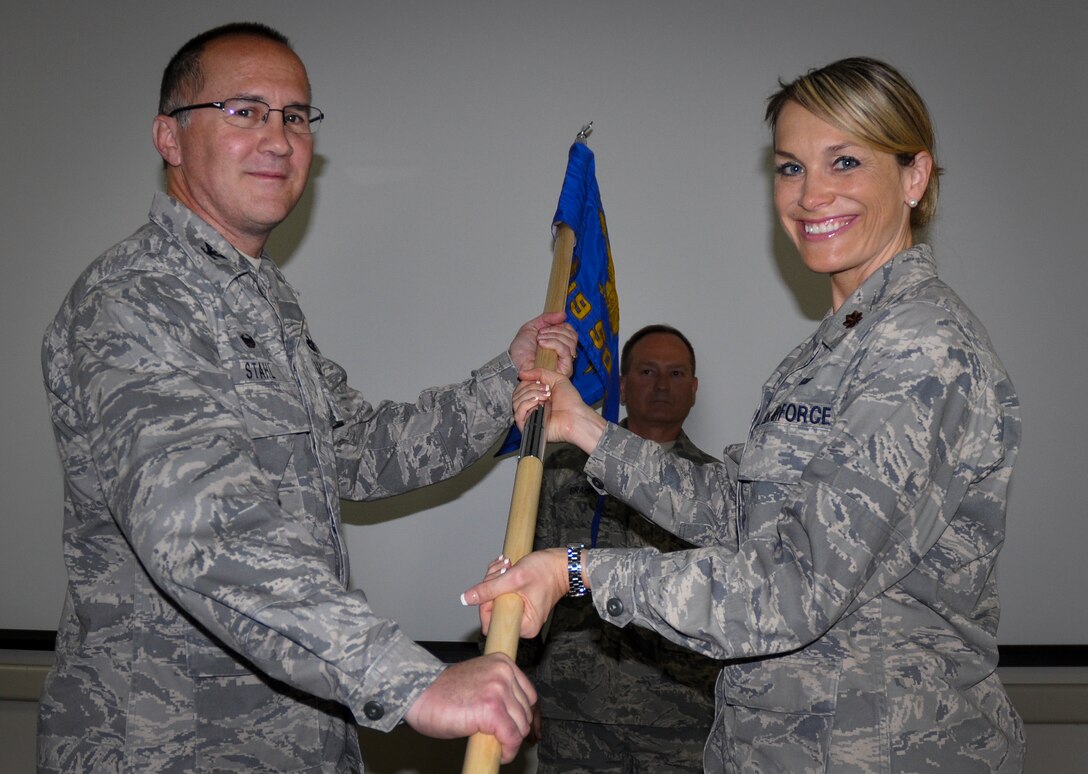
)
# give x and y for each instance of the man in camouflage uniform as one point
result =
(611, 699)
(206, 440)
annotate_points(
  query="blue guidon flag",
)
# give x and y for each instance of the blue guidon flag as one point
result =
(593, 307)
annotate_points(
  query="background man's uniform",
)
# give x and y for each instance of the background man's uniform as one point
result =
(601, 686)
(206, 442)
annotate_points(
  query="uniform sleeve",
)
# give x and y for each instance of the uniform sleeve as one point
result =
(694, 500)
(916, 420)
(393, 447)
(180, 477)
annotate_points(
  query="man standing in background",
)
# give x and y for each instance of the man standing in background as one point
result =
(611, 699)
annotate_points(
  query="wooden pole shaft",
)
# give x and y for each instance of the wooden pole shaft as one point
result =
(483, 754)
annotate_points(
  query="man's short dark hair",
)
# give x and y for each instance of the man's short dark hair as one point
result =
(641, 333)
(183, 76)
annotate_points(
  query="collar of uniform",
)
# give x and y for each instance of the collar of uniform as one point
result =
(667, 446)
(683, 445)
(213, 255)
(903, 270)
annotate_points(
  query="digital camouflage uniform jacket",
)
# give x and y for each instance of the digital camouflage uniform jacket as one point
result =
(205, 442)
(859, 528)
(594, 672)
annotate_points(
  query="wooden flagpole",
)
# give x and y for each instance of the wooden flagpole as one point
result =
(483, 754)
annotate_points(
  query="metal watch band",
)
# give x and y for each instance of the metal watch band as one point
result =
(574, 571)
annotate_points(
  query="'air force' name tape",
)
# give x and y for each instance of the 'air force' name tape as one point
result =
(801, 413)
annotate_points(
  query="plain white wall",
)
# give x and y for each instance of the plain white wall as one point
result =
(423, 240)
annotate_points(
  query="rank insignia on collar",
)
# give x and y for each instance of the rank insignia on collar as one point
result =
(211, 252)
(852, 319)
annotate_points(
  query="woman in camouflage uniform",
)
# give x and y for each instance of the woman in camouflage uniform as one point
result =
(852, 584)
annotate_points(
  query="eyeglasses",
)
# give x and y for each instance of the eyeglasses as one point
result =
(252, 113)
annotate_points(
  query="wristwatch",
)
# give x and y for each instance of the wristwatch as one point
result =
(574, 570)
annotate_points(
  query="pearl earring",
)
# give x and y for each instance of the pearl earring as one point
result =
(913, 203)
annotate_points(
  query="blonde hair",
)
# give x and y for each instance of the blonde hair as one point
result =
(874, 102)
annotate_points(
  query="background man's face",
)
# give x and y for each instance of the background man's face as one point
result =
(659, 386)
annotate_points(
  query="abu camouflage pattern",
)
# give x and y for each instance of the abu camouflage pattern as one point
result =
(594, 672)
(206, 441)
(602, 748)
(854, 588)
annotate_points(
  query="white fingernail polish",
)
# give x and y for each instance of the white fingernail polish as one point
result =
(464, 602)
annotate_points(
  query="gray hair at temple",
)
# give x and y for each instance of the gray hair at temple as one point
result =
(183, 77)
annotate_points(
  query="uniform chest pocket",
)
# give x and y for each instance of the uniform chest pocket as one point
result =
(272, 409)
(279, 428)
(778, 452)
(770, 471)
